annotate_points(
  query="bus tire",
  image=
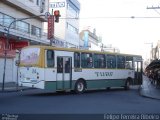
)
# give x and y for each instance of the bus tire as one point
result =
(156, 83)
(108, 88)
(127, 85)
(80, 86)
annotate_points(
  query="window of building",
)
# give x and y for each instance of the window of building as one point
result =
(36, 31)
(111, 61)
(23, 26)
(1, 19)
(129, 62)
(74, 13)
(50, 58)
(99, 61)
(38, 2)
(31, 0)
(120, 62)
(7, 21)
(86, 60)
(72, 28)
(42, 6)
(77, 60)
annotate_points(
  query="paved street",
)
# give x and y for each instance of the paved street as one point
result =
(103, 101)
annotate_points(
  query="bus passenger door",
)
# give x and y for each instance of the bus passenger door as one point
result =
(64, 71)
(138, 73)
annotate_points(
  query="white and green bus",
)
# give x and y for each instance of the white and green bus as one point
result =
(65, 69)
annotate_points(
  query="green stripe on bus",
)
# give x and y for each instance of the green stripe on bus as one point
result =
(57, 85)
(50, 85)
(97, 84)
(91, 84)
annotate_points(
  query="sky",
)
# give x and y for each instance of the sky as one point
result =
(112, 20)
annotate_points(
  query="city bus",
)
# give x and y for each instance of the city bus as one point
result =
(68, 69)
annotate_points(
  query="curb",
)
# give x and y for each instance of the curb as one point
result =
(13, 89)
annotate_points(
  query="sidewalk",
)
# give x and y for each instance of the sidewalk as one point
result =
(12, 87)
(149, 90)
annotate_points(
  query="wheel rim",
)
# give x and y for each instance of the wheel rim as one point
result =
(80, 87)
(155, 82)
(128, 84)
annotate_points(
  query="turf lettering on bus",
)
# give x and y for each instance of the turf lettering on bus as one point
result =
(101, 74)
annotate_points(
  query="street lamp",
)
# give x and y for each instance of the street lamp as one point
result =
(7, 42)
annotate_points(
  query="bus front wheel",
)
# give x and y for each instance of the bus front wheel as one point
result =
(80, 86)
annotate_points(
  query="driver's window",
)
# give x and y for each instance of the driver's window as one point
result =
(50, 58)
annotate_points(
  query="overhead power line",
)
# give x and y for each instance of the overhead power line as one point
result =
(119, 17)
(109, 17)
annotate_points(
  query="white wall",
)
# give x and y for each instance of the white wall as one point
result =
(61, 30)
(9, 77)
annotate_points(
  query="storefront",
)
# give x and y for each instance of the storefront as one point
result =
(11, 57)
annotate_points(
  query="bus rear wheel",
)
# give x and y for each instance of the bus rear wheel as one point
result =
(127, 85)
(80, 86)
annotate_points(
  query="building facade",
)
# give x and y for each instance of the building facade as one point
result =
(26, 29)
(66, 32)
(90, 40)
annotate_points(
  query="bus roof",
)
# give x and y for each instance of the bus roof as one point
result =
(77, 50)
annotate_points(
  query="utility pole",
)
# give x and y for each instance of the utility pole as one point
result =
(151, 53)
(154, 8)
(102, 46)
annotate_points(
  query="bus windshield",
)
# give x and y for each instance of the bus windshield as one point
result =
(29, 56)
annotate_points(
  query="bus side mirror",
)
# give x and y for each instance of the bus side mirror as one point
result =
(17, 62)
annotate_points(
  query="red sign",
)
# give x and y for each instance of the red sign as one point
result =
(2, 43)
(20, 44)
(51, 27)
(10, 53)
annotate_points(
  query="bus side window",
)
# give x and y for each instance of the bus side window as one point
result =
(67, 65)
(77, 60)
(111, 61)
(86, 60)
(120, 62)
(50, 58)
(99, 61)
(60, 65)
(129, 62)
